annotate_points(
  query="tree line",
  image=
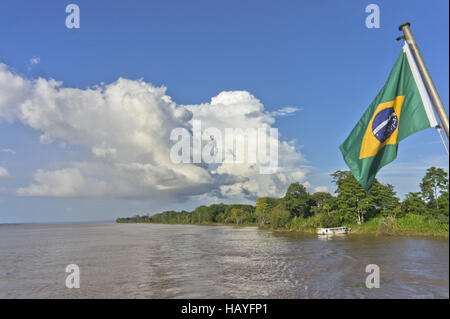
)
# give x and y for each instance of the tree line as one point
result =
(349, 205)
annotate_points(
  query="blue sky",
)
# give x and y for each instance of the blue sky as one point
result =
(317, 56)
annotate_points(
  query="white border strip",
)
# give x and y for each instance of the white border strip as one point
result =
(423, 92)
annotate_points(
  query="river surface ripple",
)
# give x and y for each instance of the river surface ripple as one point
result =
(187, 261)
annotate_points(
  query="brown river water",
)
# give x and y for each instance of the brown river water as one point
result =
(186, 261)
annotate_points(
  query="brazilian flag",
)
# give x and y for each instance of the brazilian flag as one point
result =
(401, 108)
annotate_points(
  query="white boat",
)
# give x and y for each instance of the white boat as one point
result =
(333, 230)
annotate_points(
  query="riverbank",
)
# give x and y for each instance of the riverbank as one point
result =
(409, 225)
(379, 212)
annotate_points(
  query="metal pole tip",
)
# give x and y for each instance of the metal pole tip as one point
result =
(404, 25)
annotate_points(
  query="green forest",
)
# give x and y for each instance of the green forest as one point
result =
(420, 213)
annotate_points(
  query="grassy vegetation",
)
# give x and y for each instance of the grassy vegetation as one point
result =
(408, 225)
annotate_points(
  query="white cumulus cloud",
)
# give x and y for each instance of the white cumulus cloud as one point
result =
(125, 127)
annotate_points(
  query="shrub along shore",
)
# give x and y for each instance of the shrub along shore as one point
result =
(424, 213)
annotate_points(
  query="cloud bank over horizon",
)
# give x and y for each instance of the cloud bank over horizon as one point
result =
(124, 128)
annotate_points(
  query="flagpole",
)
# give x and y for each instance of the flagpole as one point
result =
(431, 88)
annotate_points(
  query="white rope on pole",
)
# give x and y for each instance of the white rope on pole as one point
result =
(439, 129)
(446, 138)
